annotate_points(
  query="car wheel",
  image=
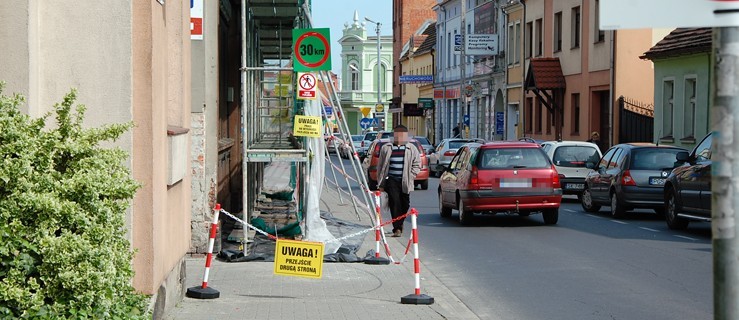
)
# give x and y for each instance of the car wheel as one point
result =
(424, 185)
(673, 220)
(551, 216)
(444, 212)
(586, 200)
(465, 216)
(617, 210)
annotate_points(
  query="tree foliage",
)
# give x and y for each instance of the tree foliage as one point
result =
(63, 200)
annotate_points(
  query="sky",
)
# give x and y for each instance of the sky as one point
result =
(334, 13)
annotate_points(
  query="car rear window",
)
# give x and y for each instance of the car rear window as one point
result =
(456, 144)
(370, 136)
(575, 156)
(357, 138)
(512, 158)
(423, 140)
(653, 158)
(386, 135)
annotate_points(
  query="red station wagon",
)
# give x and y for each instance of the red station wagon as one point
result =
(511, 177)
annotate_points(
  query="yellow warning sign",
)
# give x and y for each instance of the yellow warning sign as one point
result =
(299, 258)
(307, 126)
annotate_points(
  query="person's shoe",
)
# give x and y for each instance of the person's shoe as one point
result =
(397, 233)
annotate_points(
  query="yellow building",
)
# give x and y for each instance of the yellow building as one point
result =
(417, 89)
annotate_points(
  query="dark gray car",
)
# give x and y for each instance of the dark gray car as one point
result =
(630, 176)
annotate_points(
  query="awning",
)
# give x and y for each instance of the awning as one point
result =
(545, 74)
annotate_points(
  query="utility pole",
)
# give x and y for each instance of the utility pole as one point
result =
(379, 73)
(462, 80)
(725, 177)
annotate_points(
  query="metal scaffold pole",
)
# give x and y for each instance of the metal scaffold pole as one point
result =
(244, 129)
(725, 177)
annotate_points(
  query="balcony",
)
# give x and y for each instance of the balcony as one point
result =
(353, 97)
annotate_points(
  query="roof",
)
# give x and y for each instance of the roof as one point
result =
(509, 144)
(429, 43)
(680, 42)
(571, 143)
(636, 145)
(545, 74)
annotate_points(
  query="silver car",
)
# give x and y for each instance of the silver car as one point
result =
(446, 150)
(366, 141)
(425, 143)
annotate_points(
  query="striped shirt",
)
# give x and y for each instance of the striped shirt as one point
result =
(395, 170)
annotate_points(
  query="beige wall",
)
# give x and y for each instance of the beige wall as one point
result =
(630, 44)
(161, 82)
(569, 57)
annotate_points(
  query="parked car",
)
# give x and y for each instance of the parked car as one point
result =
(348, 148)
(532, 140)
(510, 177)
(688, 187)
(629, 176)
(366, 141)
(425, 143)
(571, 158)
(369, 165)
(446, 150)
(334, 142)
(385, 135)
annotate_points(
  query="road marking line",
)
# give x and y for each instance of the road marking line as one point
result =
(649, 229)
(592, 215)
(570, 210)
(689, 238)
(621, 222)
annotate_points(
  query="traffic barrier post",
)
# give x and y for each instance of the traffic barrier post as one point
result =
(417, 297)
(377, 260)
(203, 291)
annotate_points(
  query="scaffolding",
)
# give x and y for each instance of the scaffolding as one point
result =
(269, 104)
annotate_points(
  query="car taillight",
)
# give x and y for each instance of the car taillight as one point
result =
(627, 180)
(450, 153)
(473, 176)
(555, 178)
(377, 150)
(362, 144)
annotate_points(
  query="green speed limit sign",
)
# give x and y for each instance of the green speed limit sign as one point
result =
(311, 49)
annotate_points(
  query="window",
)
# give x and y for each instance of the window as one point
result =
(575, 156)
(557, 40)
(529, 38)
(703, 151)
(539, 48)
(576, 113)
(529, 123)
(689, 114)
(517, 44)
(575, 37)
(507, 158)
(616, 160)
(538, 116)
(450, 51)
(510, 44)
(598, 34)
(469, 31)
(354, 76)
(456, 56)
(653, 158)
(606, 159)
(667, 108)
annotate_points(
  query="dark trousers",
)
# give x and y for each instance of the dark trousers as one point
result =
(398, 201)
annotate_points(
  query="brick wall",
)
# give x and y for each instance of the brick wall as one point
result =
(408, 16)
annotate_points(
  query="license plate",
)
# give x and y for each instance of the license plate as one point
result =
(575, 186)
(657, 181)
(515, 183)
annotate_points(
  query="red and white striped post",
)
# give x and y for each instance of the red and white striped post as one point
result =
(378, 235)
(416, 297)
(203, 291)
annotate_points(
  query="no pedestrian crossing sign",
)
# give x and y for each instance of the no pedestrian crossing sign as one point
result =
(299, 258)
(311, 49)
(306, 86)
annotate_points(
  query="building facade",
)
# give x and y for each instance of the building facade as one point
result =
(682, 86)
(130, 62)
(416, 82)
(359, 80)
(479, 93)
(596, 67)
(408, 16)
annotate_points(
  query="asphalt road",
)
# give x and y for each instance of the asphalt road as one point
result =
(588, 266)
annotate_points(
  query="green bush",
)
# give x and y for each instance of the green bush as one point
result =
(63, 199)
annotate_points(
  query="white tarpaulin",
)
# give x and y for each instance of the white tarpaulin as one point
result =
(315, 227)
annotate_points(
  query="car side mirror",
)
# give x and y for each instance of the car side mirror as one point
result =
(590, 165)
(682, 156)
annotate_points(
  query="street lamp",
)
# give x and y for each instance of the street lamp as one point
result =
(379, 77)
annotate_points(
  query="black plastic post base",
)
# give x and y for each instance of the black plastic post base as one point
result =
(376, 261)
(200, 293)
(417, 299)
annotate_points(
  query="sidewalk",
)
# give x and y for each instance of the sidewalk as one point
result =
(250, 290)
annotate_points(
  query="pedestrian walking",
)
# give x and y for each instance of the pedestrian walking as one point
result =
(398, 165)
(455, 131)
(595, 138)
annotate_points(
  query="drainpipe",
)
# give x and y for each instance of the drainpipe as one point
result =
(433, 110)
(522, 103)
(443, 73)
(612, 138)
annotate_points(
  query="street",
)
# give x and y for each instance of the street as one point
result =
(588, 266)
